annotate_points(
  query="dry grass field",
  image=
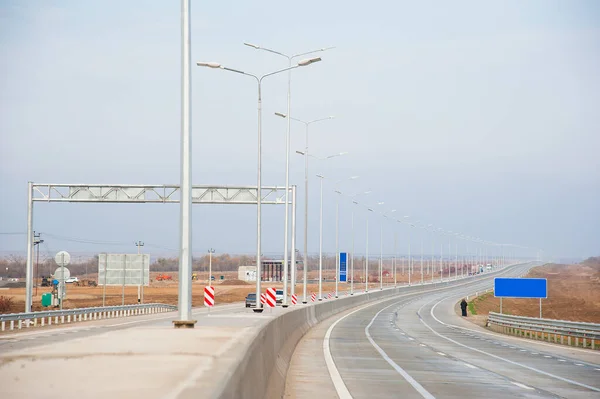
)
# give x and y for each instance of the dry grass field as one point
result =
(573, 294)
(228, 290)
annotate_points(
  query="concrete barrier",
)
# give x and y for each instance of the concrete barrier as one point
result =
(261, 370)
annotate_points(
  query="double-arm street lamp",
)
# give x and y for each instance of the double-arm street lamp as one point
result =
(384, 214)
(290, 59)
(259, 80)
(305, 153)
(352, 258)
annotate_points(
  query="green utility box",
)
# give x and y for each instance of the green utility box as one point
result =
(222, 277)
(47, 299)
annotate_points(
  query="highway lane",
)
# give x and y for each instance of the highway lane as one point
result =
(392, 349)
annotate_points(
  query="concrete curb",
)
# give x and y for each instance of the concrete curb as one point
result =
(261, 370)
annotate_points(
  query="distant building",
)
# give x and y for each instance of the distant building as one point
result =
(247, 273)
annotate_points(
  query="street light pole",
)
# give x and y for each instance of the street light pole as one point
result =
(185, 216)
(367, 254)
(305, 154)
(290, 58)
(337, 235)
(259, 80)
(287, 156)
(352, 258)
(321, 242)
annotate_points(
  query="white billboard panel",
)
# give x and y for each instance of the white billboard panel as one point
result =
(128, 269)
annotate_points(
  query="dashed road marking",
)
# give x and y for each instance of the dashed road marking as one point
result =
(522, 386)
(469, 365)
(441, 354)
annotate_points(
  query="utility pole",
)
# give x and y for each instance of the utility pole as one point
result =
(36, 242)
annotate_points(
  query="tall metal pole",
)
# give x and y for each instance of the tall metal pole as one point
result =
(449, 257)
(409, 258)
(337, 244)
(395, 253)
(321, 245)
(287, 189)
(259, 204)
(185, 218)
(421, 258)
(441, 260)
(456, 259)
(367, 256)
(352, 258)
(293, 249)
(29, 270)
(304, 300)
(432, 260)
(381, 256)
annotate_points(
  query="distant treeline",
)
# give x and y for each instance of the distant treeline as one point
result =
(14, 266)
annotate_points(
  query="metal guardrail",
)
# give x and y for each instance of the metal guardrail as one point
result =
(586, 334)
(50, 317)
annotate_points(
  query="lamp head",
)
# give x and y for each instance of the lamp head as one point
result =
(309, 61)
(209, 64)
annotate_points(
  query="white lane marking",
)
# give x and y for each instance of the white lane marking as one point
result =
(423, 345)
(547, 357)
(561, 360)
(508, 337)
(327, 353)
(441, 354)
(418, 387)
(412, 339)
(578, 364)
(597, 369)
(522, 386)
(470, 365)
(334, 374)
(534, 353)
(494, 356)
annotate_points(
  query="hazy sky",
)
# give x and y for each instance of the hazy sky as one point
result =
(478, 117)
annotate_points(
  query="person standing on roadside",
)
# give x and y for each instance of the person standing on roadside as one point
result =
(463, 307)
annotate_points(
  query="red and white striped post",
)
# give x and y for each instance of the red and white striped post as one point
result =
(271, 297)
(294, 299)
(209, 297)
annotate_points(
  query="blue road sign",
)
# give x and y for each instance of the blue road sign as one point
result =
(520, 288)
(343, 267)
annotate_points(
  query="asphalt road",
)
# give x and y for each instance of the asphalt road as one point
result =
(416, 346)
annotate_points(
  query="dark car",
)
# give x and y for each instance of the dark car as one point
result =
(251, 300)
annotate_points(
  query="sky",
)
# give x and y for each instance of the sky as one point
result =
(476, 117)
